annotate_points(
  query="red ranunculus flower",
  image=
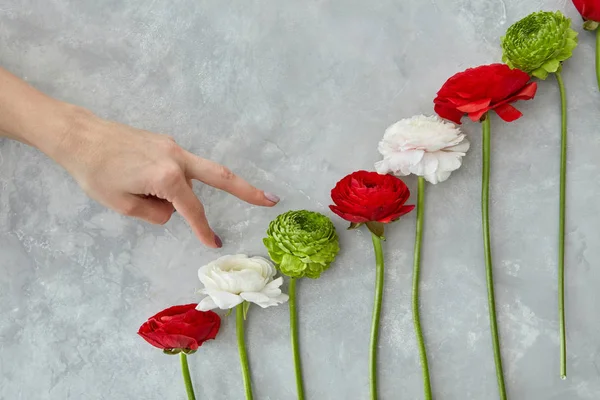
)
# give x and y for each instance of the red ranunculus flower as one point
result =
(368, 197)
(589, 9)
(180, 328)
(479, 90)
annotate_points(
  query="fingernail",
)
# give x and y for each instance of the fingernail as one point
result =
(218, 241)
(272, 197)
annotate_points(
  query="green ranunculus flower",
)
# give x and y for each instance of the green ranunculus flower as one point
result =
(302, 243)
(538, 43)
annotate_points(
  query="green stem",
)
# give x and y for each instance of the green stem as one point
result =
(561, 228)
(485, 192)
(189, 388)
(415, 289)
(598, 56)
(239, 321)
(295, 342)
(376, 315)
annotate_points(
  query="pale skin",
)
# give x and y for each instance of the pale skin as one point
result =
(134, 172)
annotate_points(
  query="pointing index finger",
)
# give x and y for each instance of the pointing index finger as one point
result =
(221, 177)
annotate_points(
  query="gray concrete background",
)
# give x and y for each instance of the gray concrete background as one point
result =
(293, 95)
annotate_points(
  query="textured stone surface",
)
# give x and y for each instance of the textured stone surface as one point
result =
(293, 95)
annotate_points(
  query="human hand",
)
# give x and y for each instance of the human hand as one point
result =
(134, 172)
(146, 175)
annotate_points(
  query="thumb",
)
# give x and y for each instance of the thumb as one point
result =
(150, 209)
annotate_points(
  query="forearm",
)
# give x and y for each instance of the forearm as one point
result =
(31, 117)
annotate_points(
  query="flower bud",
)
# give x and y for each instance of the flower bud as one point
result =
(302, 243)
(590, 25)
(539, 43)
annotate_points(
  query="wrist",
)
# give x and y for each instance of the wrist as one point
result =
(34, 118)
(64, 132)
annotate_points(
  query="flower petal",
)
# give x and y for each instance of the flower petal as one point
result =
(225, 300)
(476, 116)
(449, 161)
(256, 298)
(382, 167)
(527, 93)
(441, 176)
(428, 165)
(206, 304)
(508, 113)
(348, 217)
(451, 114)
(462, 147)
(475, 106)
(403, 210)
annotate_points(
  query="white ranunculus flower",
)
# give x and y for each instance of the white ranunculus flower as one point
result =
(231, 280)
(425, 146)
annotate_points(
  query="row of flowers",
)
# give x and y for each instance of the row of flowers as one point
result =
(305, 243)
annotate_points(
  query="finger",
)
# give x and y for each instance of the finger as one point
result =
(147, 196)
(221, 177)
(189, 183)
(191, 209)
(150, 209)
